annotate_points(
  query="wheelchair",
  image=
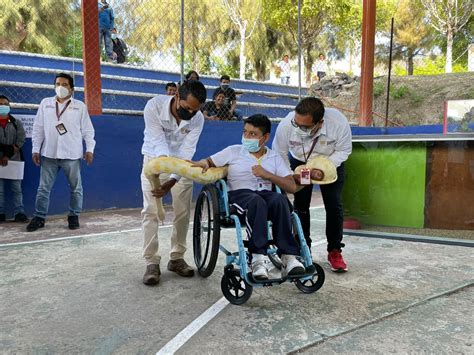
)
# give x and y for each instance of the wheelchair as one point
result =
(213, 213)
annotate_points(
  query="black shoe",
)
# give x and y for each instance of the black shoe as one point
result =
(73, 222)
(36, 223)
(21, 218)
(2, 217)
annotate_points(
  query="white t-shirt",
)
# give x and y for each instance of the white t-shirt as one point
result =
(334, 142)
(240, 164)
(75, 118)
(285, 68)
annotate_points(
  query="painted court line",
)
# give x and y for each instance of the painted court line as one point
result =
(183, 336)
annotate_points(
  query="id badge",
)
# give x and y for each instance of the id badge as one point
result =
(305, 177)
(61, 128)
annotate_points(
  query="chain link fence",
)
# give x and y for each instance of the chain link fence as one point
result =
(146, 45)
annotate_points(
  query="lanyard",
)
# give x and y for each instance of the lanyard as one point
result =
(59, 114)
(306, 158)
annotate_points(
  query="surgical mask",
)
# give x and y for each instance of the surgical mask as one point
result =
(4, 110)
(250, 145)
(303, 133)
(184, 114)
(62, 92)
(113, 36)
(225, 86)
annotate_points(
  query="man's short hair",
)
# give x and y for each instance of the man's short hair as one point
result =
(195, 88)
(191, 73)
(5, 98)
(225, 77)
(311, 106)
(66, 76)
(170, 85)
(260, 121)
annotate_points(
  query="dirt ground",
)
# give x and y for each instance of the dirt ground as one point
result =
(414, 100)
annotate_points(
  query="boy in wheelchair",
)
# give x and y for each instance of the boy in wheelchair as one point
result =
(252, 169)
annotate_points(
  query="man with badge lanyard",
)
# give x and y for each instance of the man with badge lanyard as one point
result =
(60, 126)
(313, 130)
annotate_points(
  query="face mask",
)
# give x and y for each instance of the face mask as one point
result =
(4, 110)
(303, 133)
(62, 92)
(113, 36)
(185, 114)
(224, 86)
(250, 145)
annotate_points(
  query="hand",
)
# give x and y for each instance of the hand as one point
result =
(36, 159)
(4, 161)
(89, 157)
(258, 171)
(214, 118)
(297, 178)
(317, 174)
(164, 189)
(203, 163)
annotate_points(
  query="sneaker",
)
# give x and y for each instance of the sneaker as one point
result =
(180, 267)
(290, 266)
(73, 222)
(36, 223)
(2, 217)
(152, 275)
(21, 217)
(259, 267)
(336, 261)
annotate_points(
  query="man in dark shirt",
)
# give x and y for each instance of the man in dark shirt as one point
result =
(119, 47)
(217, 109)
(230, 97)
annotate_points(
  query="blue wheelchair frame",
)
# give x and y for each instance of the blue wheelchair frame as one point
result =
(237, 284)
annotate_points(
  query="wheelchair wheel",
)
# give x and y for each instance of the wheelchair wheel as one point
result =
(206, 230)
(313, 284)
(235, 289)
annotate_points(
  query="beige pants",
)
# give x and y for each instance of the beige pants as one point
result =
(182, 195)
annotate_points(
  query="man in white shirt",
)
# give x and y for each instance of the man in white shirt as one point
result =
(173, 125)
(320, 67)
(60, 126)
(285, 69)
(309, 131)
(252, 169)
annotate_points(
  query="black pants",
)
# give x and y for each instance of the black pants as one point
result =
(332, 198)
(258, 207)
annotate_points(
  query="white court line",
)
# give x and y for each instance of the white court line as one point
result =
(77, 236)
(183, 336)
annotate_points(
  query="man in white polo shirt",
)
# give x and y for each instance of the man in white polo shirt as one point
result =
(60, 126)
(252, 169)
(309, 131)
(173, 125)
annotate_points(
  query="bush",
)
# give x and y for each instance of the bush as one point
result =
(398, 93)
(379, 88)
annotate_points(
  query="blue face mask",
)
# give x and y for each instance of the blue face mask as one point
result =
(250, 145)
(4, 110)
(224, 86)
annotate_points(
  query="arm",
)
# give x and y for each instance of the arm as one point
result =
(154, 134)
(112, 19)
(233, 106)
(343, 147)
(88, 133)
(282, 138)
(38, 135)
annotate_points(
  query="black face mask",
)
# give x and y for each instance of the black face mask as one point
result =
(185, 114)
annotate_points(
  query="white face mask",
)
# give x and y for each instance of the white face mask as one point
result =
(62, 92)
(302, 133)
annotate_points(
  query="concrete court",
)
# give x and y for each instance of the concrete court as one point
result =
(84, 295)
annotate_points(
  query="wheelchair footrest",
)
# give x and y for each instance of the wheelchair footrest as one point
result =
(266, 282)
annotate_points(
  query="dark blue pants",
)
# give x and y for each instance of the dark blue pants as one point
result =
(332, 198)
(258, 207)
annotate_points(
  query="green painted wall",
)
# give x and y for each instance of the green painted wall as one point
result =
(385, 183)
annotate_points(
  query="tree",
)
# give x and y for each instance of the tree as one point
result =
(244, 14)
(23, 25)
(448, 17)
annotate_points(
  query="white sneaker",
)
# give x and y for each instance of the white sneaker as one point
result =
(259, 267)
(291, 266)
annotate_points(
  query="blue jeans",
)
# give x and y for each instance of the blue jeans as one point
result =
(15, 186)
(285, 80)
(104, 35)
(49, 171)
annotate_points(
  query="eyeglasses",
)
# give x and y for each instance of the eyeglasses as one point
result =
(303, 128)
